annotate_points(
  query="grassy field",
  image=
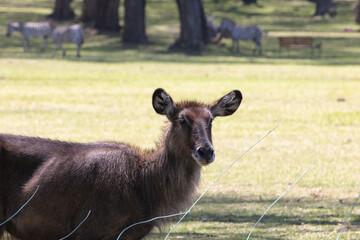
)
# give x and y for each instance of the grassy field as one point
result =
(106, 95)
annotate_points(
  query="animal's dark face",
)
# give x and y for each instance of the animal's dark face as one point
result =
(11, 27)
(226, 27)
(193, 127)
(191, 122)
(9, 30)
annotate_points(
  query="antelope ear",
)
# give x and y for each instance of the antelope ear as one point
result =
(227, 105)
(163, 104)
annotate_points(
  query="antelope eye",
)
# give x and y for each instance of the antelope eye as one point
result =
(182, 119)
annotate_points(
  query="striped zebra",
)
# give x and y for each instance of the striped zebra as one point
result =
(29, 30)
(229, 29)
(213, 29)
(72, 33)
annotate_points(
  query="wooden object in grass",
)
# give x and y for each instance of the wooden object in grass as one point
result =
(299, 43)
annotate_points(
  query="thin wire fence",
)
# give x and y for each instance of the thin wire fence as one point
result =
(184, 214)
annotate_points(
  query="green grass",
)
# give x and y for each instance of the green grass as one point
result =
(106, 95)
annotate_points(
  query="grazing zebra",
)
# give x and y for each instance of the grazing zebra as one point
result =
(213, 29)
(73, 33)
(30, 29)
(230, 29)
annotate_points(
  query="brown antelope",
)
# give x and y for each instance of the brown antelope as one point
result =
(119, 183)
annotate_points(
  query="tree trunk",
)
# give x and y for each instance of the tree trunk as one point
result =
(134, 26)
(357, 12)
(248, 2)
(323, 7)
(193, 30)
(103, 13)
(62, 10)
(107, 15)
(88, 10)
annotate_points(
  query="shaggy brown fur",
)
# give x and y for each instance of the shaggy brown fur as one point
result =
(120, 184)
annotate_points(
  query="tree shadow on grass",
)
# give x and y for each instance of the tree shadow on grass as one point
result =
(314, 215)
(109, 49)
(131, 54)
(211, 219)
(242, 213)
(194, 235)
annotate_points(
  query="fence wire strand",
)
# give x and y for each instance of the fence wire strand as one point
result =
(217, 178)
(77, 226)
(21, 207)
(347, 218)
(188, 211)
(150, 220)
(279, 199)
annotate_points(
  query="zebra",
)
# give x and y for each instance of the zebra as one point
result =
(229, 29)
(30, 29)
(213, 29)
(72, 33)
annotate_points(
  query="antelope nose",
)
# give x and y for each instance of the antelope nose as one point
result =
(206, 153)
